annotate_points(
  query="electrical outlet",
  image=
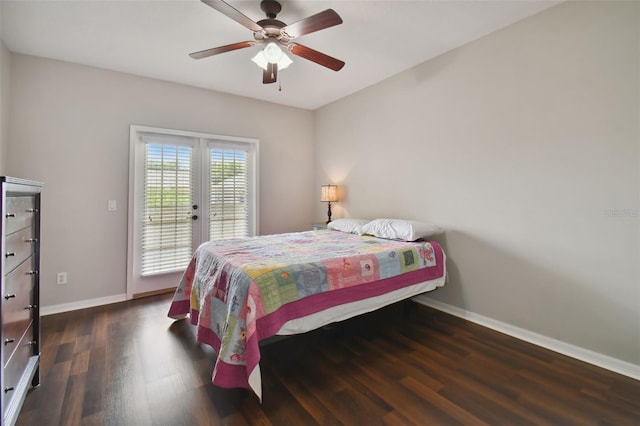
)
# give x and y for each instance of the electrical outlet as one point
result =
(62, 278)
(112, 205)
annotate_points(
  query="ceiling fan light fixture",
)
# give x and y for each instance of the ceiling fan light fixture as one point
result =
(262, 58)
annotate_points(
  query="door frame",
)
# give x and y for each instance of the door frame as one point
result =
(138, 286)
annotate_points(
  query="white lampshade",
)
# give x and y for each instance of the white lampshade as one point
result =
(272, 52)
(284, 62)
(260, 60)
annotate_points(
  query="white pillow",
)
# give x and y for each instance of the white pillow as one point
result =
(399, 229)
(352, 226)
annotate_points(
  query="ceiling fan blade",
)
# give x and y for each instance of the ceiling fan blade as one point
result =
(270, 75)
(315, 56)
(231, 12)
(217, 50)
(313, 23)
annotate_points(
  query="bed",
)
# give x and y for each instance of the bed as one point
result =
(238, 292)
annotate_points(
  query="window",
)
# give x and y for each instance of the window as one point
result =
(185, 188)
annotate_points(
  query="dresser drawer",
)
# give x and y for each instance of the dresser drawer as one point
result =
(18, 247)
(19, 213)
(15, 368)
(17, 301)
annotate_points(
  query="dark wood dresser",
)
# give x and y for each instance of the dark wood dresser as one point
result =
(20, 308)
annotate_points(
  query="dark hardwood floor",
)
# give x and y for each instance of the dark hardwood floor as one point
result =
(128, 364)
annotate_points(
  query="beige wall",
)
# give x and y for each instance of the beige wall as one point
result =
(5, 95)
(70, 129)
(521, 145)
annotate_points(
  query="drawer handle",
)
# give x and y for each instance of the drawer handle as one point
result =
(7, 341)
(31, 306)
(32, 210)
(10, 254)
(9, 389)
(32, 273)
(9, 296)
(31, 240)
(33, 342)
(10, 215)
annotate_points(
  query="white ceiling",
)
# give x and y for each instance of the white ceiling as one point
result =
(153, 38)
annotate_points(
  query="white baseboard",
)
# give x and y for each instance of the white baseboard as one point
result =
(82, 304)
(600, 360)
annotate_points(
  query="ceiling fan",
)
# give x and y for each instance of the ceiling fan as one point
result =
(275, 34)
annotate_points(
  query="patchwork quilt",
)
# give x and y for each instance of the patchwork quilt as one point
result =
(240, 291)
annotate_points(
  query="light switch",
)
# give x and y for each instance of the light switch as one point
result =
(112, 206)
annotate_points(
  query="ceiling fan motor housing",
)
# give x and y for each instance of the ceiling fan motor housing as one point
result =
(271, 26)
(271, 8)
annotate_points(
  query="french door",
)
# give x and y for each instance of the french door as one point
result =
(185, 188)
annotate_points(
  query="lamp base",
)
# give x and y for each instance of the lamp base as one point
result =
(329, 213)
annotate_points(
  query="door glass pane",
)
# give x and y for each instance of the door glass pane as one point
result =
(168, 198)
(228, 193)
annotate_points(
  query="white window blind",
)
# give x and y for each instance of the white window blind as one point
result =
(167, 226)
(228, 193)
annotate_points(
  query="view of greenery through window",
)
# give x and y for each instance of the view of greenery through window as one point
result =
(228, 188)
(168, 192)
